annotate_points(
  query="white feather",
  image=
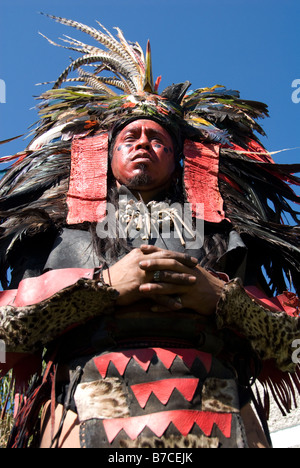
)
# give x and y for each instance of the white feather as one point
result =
(44, 139)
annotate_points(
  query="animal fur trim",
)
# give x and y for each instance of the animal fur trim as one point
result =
(270, 333)
(26, 329)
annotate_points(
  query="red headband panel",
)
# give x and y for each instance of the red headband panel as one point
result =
(201, 170)
(87, 192)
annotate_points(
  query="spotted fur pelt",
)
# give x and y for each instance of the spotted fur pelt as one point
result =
(177, 442)
(26, 329)
(270, 333)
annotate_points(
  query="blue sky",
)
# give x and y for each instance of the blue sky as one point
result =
(252, 46)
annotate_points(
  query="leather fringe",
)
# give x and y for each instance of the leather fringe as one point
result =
(28, 415)
(282, 386)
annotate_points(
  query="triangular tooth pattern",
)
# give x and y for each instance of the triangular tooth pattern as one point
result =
(143, 357)
(118, 359)
(121, 359)
(189, 356)
(158, 423)
(163, 390)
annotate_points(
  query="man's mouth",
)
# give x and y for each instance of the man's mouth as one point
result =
(142, 155)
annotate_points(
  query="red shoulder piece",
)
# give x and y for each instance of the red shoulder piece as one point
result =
(272, 303)
(34, 290)
(290, 303)
(287, 302)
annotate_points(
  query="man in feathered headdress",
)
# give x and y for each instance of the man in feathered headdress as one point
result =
(137, 227)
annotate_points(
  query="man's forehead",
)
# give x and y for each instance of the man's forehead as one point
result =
(144, 124)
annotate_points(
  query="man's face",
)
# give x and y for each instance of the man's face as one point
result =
(143, 156)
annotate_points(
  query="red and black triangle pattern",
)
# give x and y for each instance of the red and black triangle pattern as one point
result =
(158, 423)
(163, 389)
(144, 356)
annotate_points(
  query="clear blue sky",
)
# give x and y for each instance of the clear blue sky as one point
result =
(252, 46)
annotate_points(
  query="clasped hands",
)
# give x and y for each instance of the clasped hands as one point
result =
(172, 280)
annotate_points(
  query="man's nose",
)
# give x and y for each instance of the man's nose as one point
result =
(143, 142)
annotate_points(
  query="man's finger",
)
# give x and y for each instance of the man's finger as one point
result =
(166, 264)
(162, 276)
(162, 288)
(157, 253)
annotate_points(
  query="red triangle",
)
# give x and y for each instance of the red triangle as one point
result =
(163, 390)
(166, 356)
(118, 359)
(188, 356)
(141, 356)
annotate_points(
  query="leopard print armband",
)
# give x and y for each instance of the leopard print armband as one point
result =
(28, 328)
(270, 333)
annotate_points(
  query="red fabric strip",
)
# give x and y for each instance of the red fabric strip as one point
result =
(163, 389)
(144, 356)
(271, 302)
(86, 198)
(34, 290)
(159, 422)
(7, 297)
(201, 170)
(286, 302)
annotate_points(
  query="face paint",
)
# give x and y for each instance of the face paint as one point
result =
(143, 152)
(126, 146)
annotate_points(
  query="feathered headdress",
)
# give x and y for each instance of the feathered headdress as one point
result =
(225, 166)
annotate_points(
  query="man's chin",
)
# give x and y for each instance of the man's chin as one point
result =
(140, 180)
